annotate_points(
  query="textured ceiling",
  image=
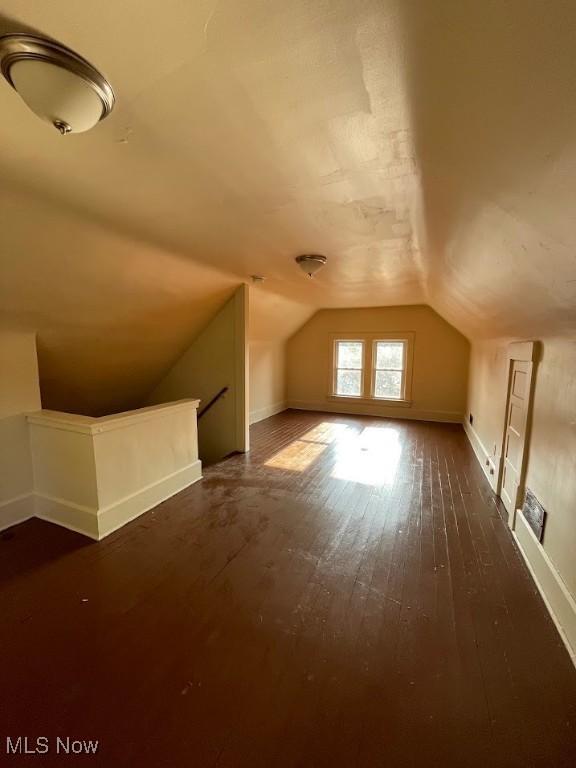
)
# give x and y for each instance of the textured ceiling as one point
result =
(426, 148)
(492, 89)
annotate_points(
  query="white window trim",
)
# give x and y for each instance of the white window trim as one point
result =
(369, 372)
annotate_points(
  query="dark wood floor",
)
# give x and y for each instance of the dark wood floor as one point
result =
(345, 595)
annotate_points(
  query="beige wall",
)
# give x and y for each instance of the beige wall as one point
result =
(551, 472)
(267, 379)
(19, 392)
(217, 358)
(440, 361)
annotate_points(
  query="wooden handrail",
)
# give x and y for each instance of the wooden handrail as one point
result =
(214, 400)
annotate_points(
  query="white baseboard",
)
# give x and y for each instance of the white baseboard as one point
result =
(16, 510)
(559, 602)
(490, 464)
(264, 413)
(99, 523)
(66, 514)
(367, 409)
(123, 511)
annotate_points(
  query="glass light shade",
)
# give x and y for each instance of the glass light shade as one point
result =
(310, 263)
(56, 94)
(311, 267)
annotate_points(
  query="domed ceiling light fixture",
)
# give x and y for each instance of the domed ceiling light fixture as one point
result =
(310, 263)
(57, 84)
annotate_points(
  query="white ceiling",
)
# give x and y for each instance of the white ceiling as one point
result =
(427, 149)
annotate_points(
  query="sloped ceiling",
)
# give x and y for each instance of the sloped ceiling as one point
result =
(492, 93)
(426, 148)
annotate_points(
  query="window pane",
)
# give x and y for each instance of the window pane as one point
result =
(388, 384)
(349, 383)
(390, 354)
(349, 354)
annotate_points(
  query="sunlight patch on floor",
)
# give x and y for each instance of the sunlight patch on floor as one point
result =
(301, 453)
(297, 456)
(371, 459)
(327, 432)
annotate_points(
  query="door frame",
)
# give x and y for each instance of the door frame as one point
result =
(525, 352)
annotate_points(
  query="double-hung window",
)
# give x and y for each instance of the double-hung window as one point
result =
(389, 369)
(349, 369)
(372, 366)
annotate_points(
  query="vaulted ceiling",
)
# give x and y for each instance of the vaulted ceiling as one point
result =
(427, 148)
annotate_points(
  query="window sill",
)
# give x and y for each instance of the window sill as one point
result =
(370, 400)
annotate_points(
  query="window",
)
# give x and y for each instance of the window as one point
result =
(389, 369)
(372, 366)
(349, 368)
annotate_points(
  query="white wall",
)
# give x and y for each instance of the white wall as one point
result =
(19, 393)
(267, 379)
(94, 475)
(217, 358)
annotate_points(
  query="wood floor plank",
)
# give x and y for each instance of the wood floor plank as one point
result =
(346, 594)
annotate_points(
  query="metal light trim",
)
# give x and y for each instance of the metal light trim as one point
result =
(19, 47)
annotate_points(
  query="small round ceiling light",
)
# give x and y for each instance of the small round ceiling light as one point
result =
(311, 263)
(57, 84)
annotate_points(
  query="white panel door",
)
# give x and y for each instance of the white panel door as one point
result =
(515, 433)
